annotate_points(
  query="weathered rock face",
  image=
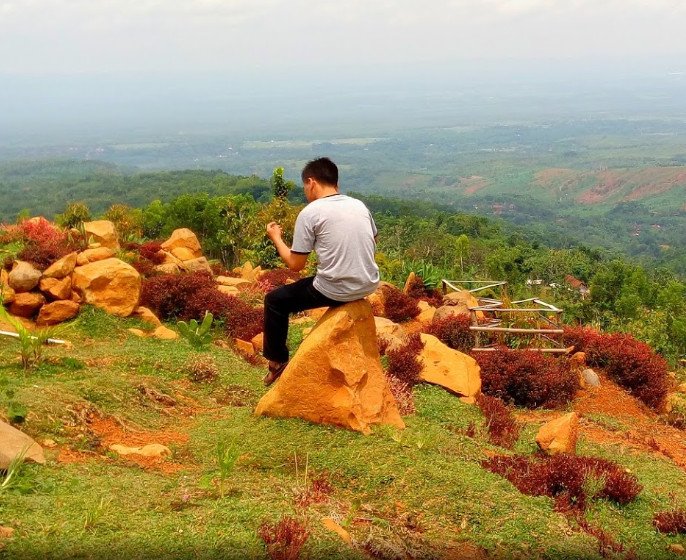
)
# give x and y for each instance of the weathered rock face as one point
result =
(147, 316)
(13, 443)
(6, 292)
(94, 255)
(198, 265)
(389, 332)
(462, 300)
(336, 376)
(111, 285)
(56, 288)
(61, 268)
(24, 277)
(234, 282)
(26, 304)
(186, 239)
(559, 435)
(57, 312)
(102, 232)
(449, 368)
(449, 311)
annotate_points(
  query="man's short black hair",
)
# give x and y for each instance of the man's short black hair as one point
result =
(322, 170)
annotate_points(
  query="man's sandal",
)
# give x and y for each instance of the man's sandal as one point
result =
(274, 373)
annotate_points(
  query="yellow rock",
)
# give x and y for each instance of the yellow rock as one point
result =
(61, 268)
(94, 255)
(258, 342)
(138, 332)
(462, 300)
(228, 290)
(57, 312)
(102, 232)
(56, 289)
(334, 527)
(183, 254)
(112, 285)
(200, 264)
(411, 278)
(335, 376)
(26, 304)
(559, 435)
(449, 368)
(233, 282)
(185, 238)
(244, 347)
(150, 450)
(164, 333)
(144, 314)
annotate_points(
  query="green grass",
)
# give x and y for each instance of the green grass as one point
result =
(417, 490)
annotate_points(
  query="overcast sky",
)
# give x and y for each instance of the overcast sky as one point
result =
(172, 36)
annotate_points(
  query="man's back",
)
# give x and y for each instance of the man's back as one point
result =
(340, 229)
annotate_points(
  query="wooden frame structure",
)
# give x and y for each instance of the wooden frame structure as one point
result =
(491, 317)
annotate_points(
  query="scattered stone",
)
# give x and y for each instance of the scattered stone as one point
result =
(56, 288)
(233, 282)
(198, 265)
(49, 443)
(6, 292)
(61, 268)
(112, 285)
(244, 347)
(164, 333)
(167, 268)
(411, 279)
(144, 314)
(559, 435)
(168, 258)
(102, 232)
(153, 450)
(248, 272)
(578, 359)
(138, 332)
(331, 525)
(335, 376)
(24, 277)
(228, 290)
(441, 365)
(258, 342)
(426, 314)
(76, 297)
(94, 255)
(445, 311)
(463, 299)
(589, 378)
(186, 239)
(183, 254)
(377, 299)
(26, 304)
(677, 549)
(57, 312)
(6, 532)
(389, 332)
(13, 443)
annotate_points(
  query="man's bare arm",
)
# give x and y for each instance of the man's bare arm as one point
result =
(294, 261)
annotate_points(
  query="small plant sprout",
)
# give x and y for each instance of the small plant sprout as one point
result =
(227, 456)
(9, 479)
(197, 334)
(94, 514)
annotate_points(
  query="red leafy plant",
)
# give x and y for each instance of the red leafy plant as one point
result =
(630, 363)
(526, 378)
(670, 522)
(503, 429)
(275, 278)
(453, 331)
(403, 361)
(398, 307)
(571, 480)
(168, 294)
(402, 393)
(316, 492)
(418, 290)
(240, 319)
(285, 539)
(44, 243)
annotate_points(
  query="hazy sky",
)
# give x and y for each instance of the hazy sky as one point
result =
(174, 36)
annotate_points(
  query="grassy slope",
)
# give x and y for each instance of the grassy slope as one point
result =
(421, 489)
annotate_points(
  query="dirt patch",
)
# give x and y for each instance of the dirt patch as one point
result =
(235, 395)
(612, 400)
(609, 182)
(69, 456)
(473, 184)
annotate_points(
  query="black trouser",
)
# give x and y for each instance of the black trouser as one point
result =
(279, 304)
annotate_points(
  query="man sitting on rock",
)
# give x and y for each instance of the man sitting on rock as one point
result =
(341, 231)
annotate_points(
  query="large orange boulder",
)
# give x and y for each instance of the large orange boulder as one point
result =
(61, 268)
(94, 255)
(102, 232)
(441, 365)
(559, 435)
(335, 376)
(14, 443)
(112, 285)
(24, 277)
(186, 239)
(26, 304)
(57, 312)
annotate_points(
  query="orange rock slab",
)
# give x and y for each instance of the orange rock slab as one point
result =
(335, 376)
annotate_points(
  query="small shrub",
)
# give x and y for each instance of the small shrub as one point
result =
(284, 540)
(526, 378)
(503, 429)
(403, 362)
(275, 278)
(44, 243)
(566, 478)
(454, 332)
(240, 319)
(670, 522)
(144, 267)
(151, 250)
(398, 307)
(202, 369)
(197, 334)
(316, 492)
(418, 290)
(402, 393)
(168, 294)
(628, 362)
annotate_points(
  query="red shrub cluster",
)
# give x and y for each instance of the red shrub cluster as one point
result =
(317, 492)
(403, 362)
(567, 478)
(10, 233)
(144, 267)
(402, 393)
(276, 278)
(417, 290)
(44, 243)
(672, 522)
(454, 332)
(168, 294)
(630, 363)
(150, 250)
(398, 307)
(526, 378)
(503, 429)
(284, 540)
(240, 319)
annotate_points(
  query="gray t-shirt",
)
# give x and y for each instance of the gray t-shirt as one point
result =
(340, 229)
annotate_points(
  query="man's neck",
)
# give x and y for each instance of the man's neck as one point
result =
(327, 191)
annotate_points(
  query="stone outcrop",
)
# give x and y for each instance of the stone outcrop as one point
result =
(147, 316)
(152, 450)
(233, 282)
(559, 435)
(55, 288)
(198, 265)
(26, 304)
(14, 443)
(112, 285)
(102, 232)
(441, 365)
(94, 255)
(61, 268)
(388, 332)
(183, 238)
(57, 312)
(24, 277)
(335, 376)
(462, 300)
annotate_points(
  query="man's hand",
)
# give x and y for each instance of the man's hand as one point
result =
(274, 231)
